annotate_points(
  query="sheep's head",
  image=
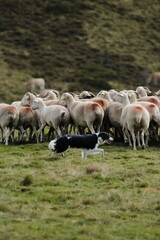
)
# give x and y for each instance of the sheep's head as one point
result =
(35, 104)
(86, 94)
(26, 100)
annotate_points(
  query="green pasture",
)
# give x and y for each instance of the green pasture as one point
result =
(115, 197)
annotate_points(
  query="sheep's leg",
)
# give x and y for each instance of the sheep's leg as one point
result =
(70, 128)
(36, 134)
(42, 132)
(155, 130)
(51, 130)
(11, 134)
(129, 139)
(138, 139)
(22, 132)
(58, 132)
(79, 129)
(142, 139)
(147, 137)
(91, 128)
(1, 135)
(27, 135)
(30, 134)
(133, 139)
(126, 136)
(6, 131)
(98, 128)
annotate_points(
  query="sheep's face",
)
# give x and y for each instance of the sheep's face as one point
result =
(86, 94)
(35, 104)
(119, 97)
(147, 90)
(64, 96)
(63, 100)
(102, 94)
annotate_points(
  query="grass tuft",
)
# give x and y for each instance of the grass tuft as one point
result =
(28, 180)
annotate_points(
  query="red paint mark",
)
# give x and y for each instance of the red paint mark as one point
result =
(151, 106)
(138, 108)
(93, 106)
(27, 109)
(154, 100)
(102, 102)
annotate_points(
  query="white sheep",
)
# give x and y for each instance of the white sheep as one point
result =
(105, 94)
(151, 99)
(135, 121)
(153, 79)
(153, 112)
(27, 119)
(9, 116)
(104, 104)
(28, 98)
(36, 83)
(84, 114)
(50, 94)
(113, 93)
(86, 95)
(142, 91)
(55, 116)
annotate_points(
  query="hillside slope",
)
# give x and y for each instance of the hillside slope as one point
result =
(77, 45)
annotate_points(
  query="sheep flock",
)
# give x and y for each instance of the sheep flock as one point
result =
(130, 116)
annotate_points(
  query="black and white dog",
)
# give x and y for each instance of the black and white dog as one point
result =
(87, 142)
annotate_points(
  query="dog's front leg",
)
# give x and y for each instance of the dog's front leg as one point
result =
(97, 150)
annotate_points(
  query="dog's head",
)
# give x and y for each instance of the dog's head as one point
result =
(103, 137)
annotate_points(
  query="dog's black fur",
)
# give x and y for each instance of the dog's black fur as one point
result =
(87, 142)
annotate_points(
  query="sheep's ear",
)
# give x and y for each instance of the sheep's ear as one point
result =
(92, 95)
(146, 88)
(56, 92)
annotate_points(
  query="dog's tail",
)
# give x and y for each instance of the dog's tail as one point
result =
(52, 145)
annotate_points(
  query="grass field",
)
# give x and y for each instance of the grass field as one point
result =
(115, 197)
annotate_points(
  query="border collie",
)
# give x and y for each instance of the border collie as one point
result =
(87, 142)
